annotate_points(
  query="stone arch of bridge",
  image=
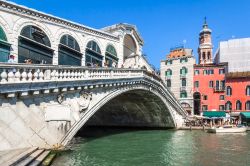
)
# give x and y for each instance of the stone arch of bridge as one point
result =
(166, 115)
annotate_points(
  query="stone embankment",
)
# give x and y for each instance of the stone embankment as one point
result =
(24, 157)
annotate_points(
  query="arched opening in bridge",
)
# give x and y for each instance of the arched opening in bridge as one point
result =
(69, 51)
(93, 54)
(129, 47)
(4, 46)
(111, 59)
(136, 109)
(34, 44)
(197, 103)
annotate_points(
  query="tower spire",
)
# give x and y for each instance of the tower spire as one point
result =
(205, 23)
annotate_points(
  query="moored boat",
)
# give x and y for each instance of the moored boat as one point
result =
(227, 129)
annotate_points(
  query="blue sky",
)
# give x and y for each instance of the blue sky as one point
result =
(161, 23)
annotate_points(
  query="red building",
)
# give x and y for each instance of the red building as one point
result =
(237, 91)
(209, 87)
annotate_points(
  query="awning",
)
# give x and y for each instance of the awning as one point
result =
(212, 114)
(245, 115)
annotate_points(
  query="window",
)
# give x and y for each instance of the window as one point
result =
(183, 94)
(205, 97)
(169, 83)
(203, 56)
(229, 106)
(34, 44)
(208, 55)
(204, 108)
(221, 71)
(69, 51)
(248, 105)
(168, 72)
(248, 90)
(182, 60)
(196, 72)
(205, 72)
(196, 84)
(211, 84)
(222, 97)
(4, 47)
(211, 71)
(183, 71)
(229, 91)
(168, 62)
(238, 105)
(93, 54)
(221, 107)
(111, 59)
(183, 82)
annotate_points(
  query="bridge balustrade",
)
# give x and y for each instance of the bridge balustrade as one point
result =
(18, 73)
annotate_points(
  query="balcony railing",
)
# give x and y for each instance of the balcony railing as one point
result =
(219, 89)
(183, 88)
(183, 76)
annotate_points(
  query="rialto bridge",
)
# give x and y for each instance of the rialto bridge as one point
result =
(79, 76)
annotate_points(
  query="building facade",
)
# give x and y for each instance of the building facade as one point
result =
(209, 88)
(237, 92)
(236, 52)
(177, 73)
(46, 39)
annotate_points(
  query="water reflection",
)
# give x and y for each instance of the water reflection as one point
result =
(149, 148)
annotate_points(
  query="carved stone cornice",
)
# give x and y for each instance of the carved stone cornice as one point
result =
(33, 13)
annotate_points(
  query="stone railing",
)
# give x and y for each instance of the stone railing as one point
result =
(18, 73)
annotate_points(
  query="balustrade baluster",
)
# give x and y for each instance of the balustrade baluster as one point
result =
(65, 74)
(24, 76)
(17, 75)
(56, 74)
(52, 74)
(30, 75)
(41, 75)
(35, 75)
(11, 76)
(4, 76)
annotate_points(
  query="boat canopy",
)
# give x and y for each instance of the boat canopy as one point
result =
(245, 115)
(213, 114)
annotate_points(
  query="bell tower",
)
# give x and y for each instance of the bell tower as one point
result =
(205, 49)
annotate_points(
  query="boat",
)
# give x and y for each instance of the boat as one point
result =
(228, 129)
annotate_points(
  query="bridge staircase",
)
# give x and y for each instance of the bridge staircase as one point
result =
(24, 157)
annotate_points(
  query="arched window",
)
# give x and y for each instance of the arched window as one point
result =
(4, 47)
(248, 90)
(93, 54)
(183, 94)
(34, 44)
(229, 91)
(69, 51)
(203, 55)
(111, 59)
(229, 106)
(183, 71)
(238, 105)
(248, 105)
(168, 72)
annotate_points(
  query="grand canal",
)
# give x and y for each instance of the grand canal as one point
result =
(158, 148)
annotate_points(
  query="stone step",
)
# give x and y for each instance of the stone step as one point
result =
(6, 156)
(40, 158)
(22, 156)
(30, 158)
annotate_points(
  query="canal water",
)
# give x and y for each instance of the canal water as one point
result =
(158, 148)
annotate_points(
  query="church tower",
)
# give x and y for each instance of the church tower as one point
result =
(205, 49)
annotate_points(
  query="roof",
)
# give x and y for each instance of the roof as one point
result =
(124, 26)
(41, 15)
(211, 65)
(212, 114)
(245, 115)
(245, 74)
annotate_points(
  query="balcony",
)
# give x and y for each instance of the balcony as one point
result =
(183, 88)
(183, 76)
(219, 89)
(168, 77)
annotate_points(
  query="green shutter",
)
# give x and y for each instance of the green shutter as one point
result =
(2, 35)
